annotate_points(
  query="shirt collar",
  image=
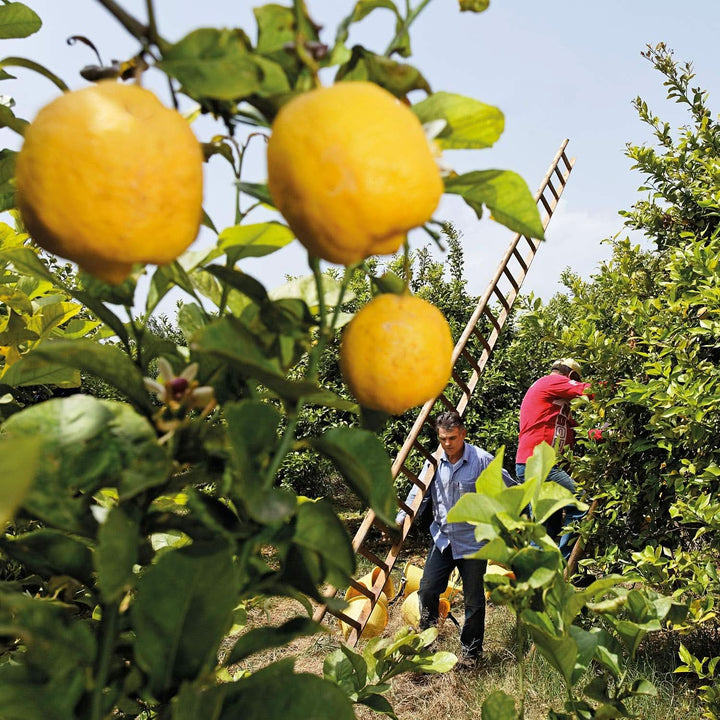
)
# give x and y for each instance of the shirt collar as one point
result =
(465, 455)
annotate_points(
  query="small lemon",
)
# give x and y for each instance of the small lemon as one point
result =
(351, 170)
(108, 176)
(396, 353)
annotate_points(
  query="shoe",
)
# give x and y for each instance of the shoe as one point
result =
(469, 662)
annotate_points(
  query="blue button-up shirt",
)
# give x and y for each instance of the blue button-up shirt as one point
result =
(449, 483)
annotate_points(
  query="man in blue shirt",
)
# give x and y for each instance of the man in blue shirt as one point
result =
(458, 469)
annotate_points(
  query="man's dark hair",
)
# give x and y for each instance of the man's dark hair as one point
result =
(449, 420)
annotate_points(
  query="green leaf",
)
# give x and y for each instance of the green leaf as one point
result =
(31, 370)
(265, 638)
(397, 78)
(116, 554)
(257, 190)
(474, 6)
(498, 705)
(191, 319)
(50, 552)
(243, 241)
(220, 64)
(7, 163)
(276, 691)
(346, 669)
(240, 281)
(470, 123)
(560, 650)
(20, 463)
(32, 65)
(305, 288)
(505, 194)
(164, 277)
(363, 461)
(104, 361)
(182, 610)
(86, 444)
(8, 119)
(380, 704)
(318, 528)
(18, 21)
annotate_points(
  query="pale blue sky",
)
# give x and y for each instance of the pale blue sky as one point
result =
(560, 68)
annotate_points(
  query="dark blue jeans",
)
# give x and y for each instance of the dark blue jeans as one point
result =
(555, 523)
(438, 567)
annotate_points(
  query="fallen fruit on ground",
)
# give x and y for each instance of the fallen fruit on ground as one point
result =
(396, 353)
(107, 177)
(351, 170)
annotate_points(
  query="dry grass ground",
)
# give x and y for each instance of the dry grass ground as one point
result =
(459, 694)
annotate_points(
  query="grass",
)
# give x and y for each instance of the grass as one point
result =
(459, 694)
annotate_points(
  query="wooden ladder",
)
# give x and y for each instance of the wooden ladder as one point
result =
(504, 287)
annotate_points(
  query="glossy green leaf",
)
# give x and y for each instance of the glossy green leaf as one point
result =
(175, 641)
(191, 319)
(380, 704)
(18, 21)
(220, 64)
(50, 552)
(470, 123)
(363, 461)
(240, 281)
(318, 528)
(305, 288)
(498, 705)
(7, 163)
(37, 67)
(86, 444)
(474, 5)
(34, 370)
(277, 692)
(243, 241)
(560, 650)
(504, 193)
(116, 554)
(257, 190)
(20, 462)
(9, 120)
(397, 78)
(104, 361)
(253, 434)
(163, 279)
(265, 638)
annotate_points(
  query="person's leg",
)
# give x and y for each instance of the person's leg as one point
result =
(571, 513)
(438, 566)
(473, 630)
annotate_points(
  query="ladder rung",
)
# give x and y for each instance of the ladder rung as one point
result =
(501, 297)
(373, 558)
(489, 315)
(445, 400)
(482, 339)
(551, 187)
(511, 278)
(461, 382)
(473, 363)
(361, 588)
(406, 508)
(546, 205)
(520, 259)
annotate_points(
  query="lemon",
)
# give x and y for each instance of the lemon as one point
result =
(108, 176)
(350, 169)
(396, 353)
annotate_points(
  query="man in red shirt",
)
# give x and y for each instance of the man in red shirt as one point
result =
(545, 415)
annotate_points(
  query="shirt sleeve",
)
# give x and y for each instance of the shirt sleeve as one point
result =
(566, 388)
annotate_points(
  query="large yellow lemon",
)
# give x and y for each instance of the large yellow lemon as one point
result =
(108, 176)
(396, 353)
(351, 170)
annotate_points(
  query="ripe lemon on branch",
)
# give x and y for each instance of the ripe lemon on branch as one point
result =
(351, 170)
(108, 176)
(396, 353)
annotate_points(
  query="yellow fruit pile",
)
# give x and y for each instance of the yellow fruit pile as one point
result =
(396, 353)
(108, 177)
(351, 170)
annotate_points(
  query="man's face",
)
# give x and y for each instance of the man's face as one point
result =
(452, 442)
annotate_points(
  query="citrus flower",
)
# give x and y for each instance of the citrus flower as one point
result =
(178, 391)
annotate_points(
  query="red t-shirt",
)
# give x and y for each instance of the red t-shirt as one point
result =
(545, 414)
